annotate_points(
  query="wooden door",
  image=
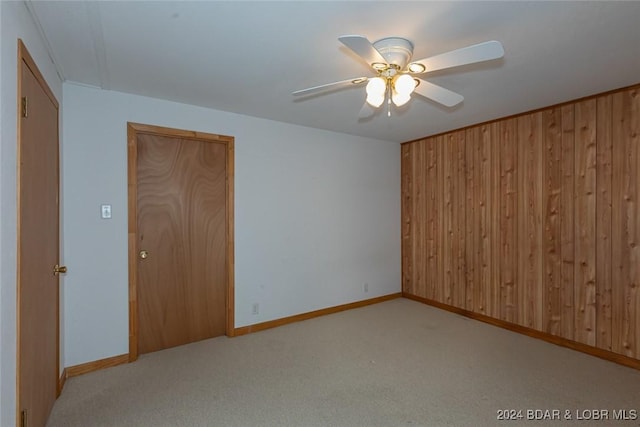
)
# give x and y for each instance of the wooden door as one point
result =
(181, 223)
(38, 243)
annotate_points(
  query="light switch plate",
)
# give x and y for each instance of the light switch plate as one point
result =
(105, 211)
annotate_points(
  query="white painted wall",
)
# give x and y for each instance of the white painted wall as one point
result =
(15, 22)
(317, 214)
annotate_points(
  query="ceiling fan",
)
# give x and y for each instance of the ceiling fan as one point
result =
(396, 79)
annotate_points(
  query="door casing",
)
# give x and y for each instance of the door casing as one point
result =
(133, 129)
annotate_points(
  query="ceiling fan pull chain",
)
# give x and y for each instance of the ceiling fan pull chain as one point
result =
(388, 98)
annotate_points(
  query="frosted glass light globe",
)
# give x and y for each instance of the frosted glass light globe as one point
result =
(375, 91)
(404, 84)
(400, 99)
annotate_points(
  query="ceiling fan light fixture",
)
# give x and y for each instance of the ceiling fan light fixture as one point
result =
(404, 84)
(395, 50)
(416, 67)
(399, 99)
(376, 86)
(375, 100)
(390, 58)
(376, 89)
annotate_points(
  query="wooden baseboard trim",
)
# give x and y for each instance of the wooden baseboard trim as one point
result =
(62, 380)
(96, 365)
(584, 348)
(310, 315)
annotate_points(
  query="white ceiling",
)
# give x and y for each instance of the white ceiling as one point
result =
(247, 57)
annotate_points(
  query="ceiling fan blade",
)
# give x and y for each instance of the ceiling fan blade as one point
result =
(467, 55)
(366, 111)
(438, 94)
(362, 47)
(330, 86)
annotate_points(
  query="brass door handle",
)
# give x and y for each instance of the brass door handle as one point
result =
(143, 254)
(59, 269)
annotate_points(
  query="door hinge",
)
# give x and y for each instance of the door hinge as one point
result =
(25, 106)
(23, 418)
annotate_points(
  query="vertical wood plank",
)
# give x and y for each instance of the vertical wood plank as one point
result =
(585, 222)
(567, 222)
(483, 302)
(440, 208)
(419, 190)
(408, 177)
(478, 247)
(422, 281)
(448, 250)
(459, 219)
(633, 289)
(603, 222)
(494, 220)
(529, 219)
(432, 219)
(471, 216)
(625, 223)
(533, 220)
(552, 207)
(508, 220)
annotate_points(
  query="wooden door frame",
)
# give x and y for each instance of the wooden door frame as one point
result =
(133, 130)
(25, 60)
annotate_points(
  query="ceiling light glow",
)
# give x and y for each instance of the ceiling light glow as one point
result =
(404, 84)
(375, 91)
(416, 67)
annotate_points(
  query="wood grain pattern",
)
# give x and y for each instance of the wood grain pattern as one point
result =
(230, 229)
(431, 219)
(603, 221)
(458, 188)
(567, 222)
(407, 172)
(471, 220)
(552, 207)
(420, 277)
(448, 252)
(483, 303)
(495, 281)
(551, 227)
(38, 240)
(584, 222)
(440, 218)
(181, 223)
(454, 199)
(625, 223)
(529, 220)
(483, 296)
(210, 218)
(508, 220)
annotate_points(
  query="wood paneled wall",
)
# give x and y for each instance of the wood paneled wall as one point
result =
(533, 220)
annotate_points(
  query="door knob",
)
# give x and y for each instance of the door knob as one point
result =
(144, 254)
(59, 269)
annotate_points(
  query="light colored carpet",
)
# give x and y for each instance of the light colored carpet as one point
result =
(396, 363)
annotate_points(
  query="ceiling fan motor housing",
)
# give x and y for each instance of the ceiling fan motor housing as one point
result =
(396, 50)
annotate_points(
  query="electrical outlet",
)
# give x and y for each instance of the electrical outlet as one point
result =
(366, 287)
(255, 309)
